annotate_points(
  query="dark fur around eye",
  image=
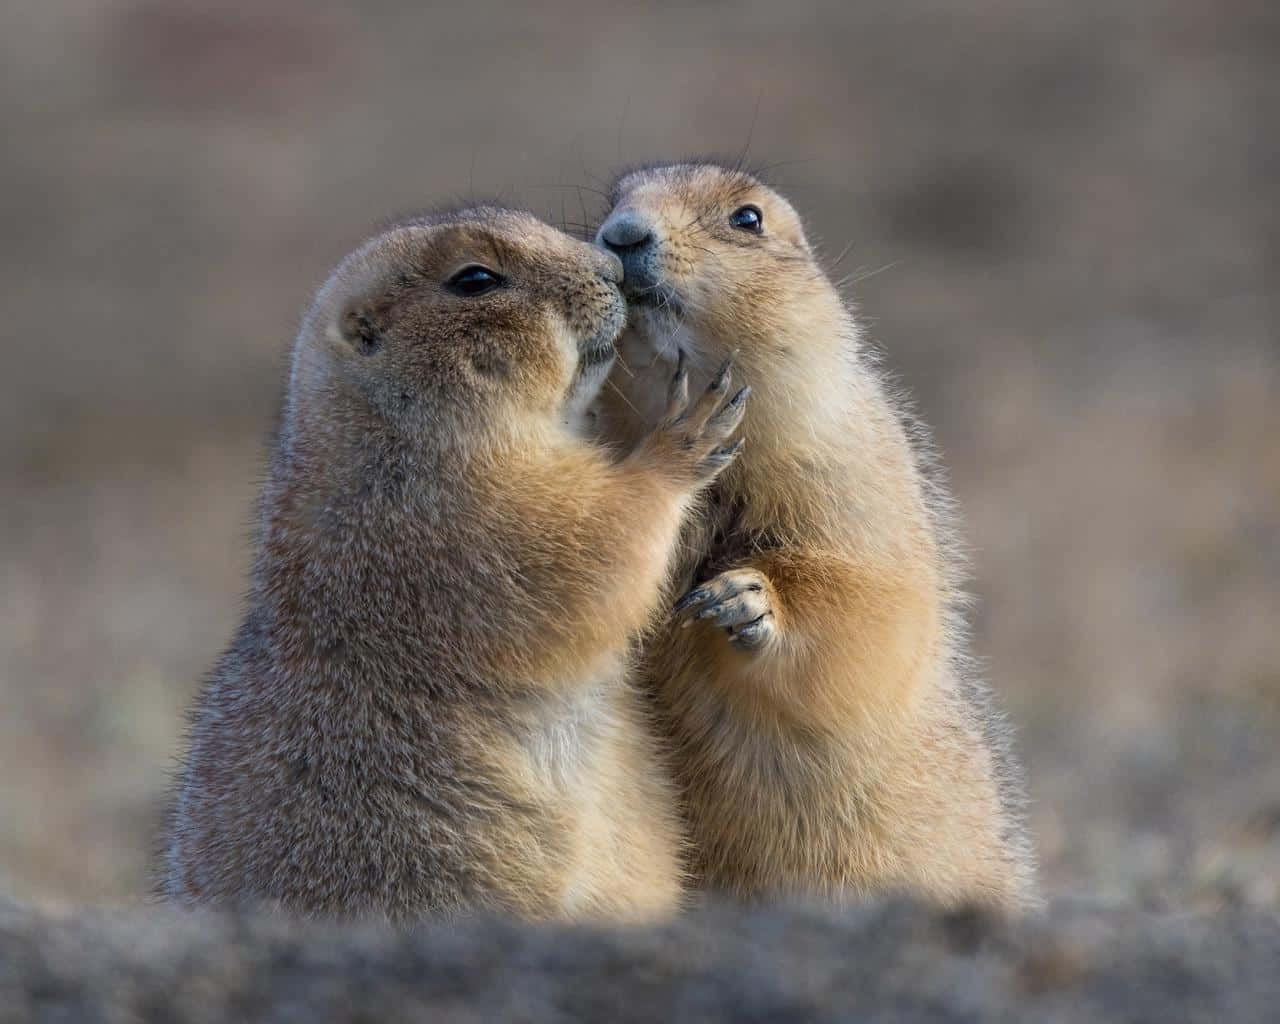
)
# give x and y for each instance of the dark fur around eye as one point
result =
(474, 280)
(748, 218)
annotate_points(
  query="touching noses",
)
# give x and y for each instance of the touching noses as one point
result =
(608, 265)
(631, 236)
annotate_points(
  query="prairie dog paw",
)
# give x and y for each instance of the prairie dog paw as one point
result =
(693, 440)
(740, 601)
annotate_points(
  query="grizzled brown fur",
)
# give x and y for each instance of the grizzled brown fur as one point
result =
(829, 734)
(425, 708)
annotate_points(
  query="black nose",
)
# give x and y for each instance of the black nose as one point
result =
(626, 231)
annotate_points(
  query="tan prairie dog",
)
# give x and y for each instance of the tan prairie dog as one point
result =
(424, 710)
(829, 734)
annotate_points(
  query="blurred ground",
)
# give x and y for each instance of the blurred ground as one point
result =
(873, 963)
(1067, 218)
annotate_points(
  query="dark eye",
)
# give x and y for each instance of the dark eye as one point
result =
(474, 280)
(748, 218)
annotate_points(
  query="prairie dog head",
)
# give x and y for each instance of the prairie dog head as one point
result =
(716, 261)
(463, 324)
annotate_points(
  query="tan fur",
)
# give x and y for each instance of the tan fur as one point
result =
(426, 707)
(828, 736)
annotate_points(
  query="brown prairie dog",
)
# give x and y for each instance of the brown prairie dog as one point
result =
(828, 734)
(425, 708)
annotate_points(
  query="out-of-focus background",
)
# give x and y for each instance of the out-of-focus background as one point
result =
(1065, 218)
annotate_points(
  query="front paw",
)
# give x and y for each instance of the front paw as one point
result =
(740, 601)
(694, 440)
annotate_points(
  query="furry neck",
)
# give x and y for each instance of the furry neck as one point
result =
(827, 458)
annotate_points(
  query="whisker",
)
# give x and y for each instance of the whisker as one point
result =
(751, 130)
(625, 400)
(763, 169)
(583, 207)
(582, 166)
(843, 253)
(856, 277)
(623, 363)
(711, 253)
(582, 188)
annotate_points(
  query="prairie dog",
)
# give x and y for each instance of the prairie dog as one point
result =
(828, 733)
(425, 707)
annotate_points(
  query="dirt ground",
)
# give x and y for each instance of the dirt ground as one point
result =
(1064, 223)
(873, 963)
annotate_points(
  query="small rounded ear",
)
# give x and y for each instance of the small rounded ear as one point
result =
(359, 330)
